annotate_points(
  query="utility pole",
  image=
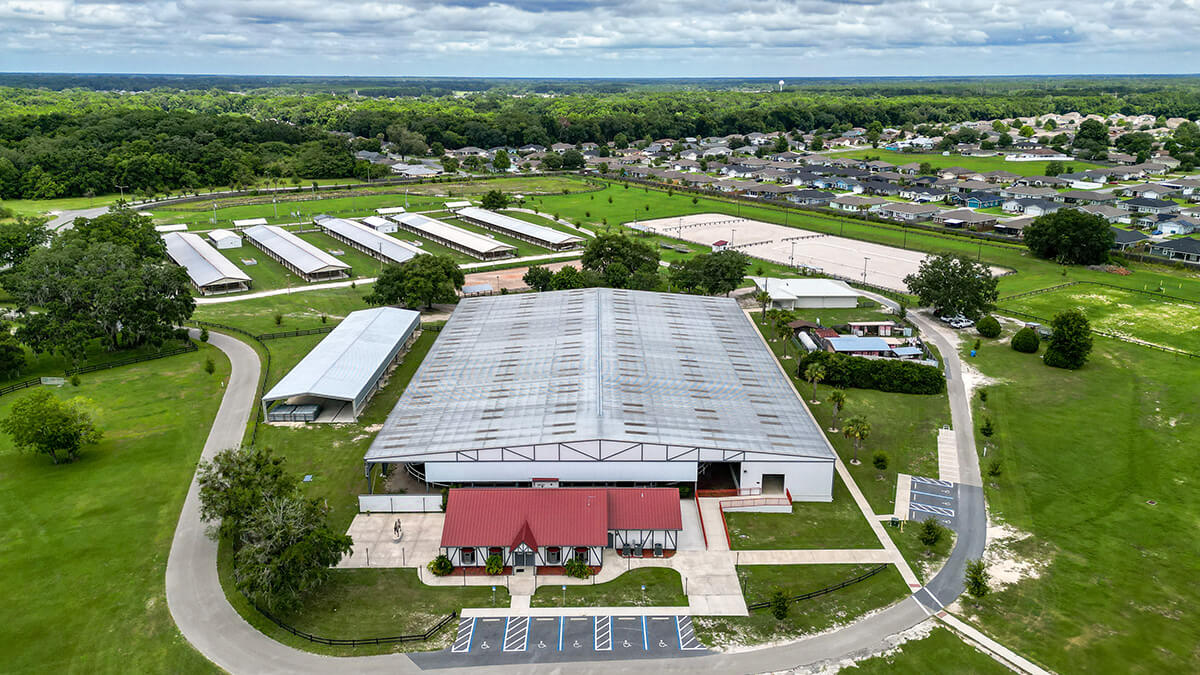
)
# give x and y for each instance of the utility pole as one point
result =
(122, 189)
(865, 261)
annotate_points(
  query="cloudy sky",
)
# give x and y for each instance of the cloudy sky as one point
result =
(621, 38)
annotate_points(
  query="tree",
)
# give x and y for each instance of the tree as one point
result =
(19, 237)
(999, 126)
(1091, 139)
(12, 356)
(763, 299)
(954, 285)
(1026, 340)
(567, 278)
(449, 164)
(814, 373)
(988, 327)
(1026, 131)
(501, 161)
(1070, 340)
(287, 549)
(857, 429)
(977, 578)
(779, 604)
(1054, 168)
(1050, 124)
(572, 159)
(418, 283)
(926, 169)
(538, 278)
(838, 398)
(987, 429)
(494, 200)
(235, 483)
(930, 533)
(1005, 141)
(41, 422)
(605, 249)
(1070, 237)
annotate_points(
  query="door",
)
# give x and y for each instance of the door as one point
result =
(524, 559)
(772, 484)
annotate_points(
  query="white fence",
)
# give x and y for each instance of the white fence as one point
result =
(399, 503)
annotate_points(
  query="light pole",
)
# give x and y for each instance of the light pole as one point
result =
(275, 205)
(214, 205)
(732, 231)
(865, 261)
(122, 189)
(792, 255)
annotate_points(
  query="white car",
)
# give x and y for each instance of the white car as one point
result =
(961, 322)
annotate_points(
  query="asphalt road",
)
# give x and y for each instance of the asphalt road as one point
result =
(206, 619)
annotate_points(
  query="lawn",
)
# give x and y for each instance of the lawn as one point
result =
(299, 310)
(836, 524)
(940, 649)
(925, 560)
(85, 544)
(1098, 467)
(49, 364)
(663, 589)
(1161, 321)
(938, 161)
(807, 616)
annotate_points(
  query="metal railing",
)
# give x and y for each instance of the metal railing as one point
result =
(359, 642)
(34, 381)
(824, 591)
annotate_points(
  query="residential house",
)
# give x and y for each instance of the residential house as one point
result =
(1147, 205)
(768, 191)
(965, 218)
(907, 212)
(1127, 239)
(1031, 207)
(856, 204)
(1151, 190)
(1082, 197)
(1176, 225)
(1025, 192)
(1042, 181)
(1110, 213)
(1014, 227)
(1186, 249)
(977, 200)
(811, 197)
(923, 194)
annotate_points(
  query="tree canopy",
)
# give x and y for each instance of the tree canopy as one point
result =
(607, 249)
(418, 283)
(710, 273)
(954, 285)
(1070, 340)
(1070, 237)
(43, 423)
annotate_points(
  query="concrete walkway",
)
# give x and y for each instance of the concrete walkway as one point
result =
(714, 523)
(947, 456)
(488, 612)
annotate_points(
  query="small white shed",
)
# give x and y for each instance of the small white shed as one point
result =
(380, 224)
(225, 239)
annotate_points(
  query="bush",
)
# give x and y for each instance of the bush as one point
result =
(988, 327)
(685, 491)
(889, 375)
(440, 566)
(994, 468)
(209, 366)
(1026, 341)
(987, 429)
(977, 578)
(575, 568)
(880, 460)
(931, 532)
(494, 564)
(278, 319)
(204, 335)
(75, 381)
(779, 604)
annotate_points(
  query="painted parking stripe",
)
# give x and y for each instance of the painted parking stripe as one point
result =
(932, 494)
(516, 634)
(602, 625)
(466, 631)
(932, 481)
(561, 621)
(936, 510)
(645, 640)
(687, 634)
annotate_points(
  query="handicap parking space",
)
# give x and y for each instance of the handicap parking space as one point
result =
(930, 497)
(544, 632)
(628, 634)
(578, 635)
(488, 635)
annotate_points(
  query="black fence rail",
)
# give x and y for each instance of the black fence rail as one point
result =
(35, 381)
(360, 642)
(1104, 333)
(824, 591)
(293, 333)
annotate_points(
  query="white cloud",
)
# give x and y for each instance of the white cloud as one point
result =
(588, 38)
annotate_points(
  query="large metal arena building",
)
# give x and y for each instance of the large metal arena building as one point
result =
(605, 387)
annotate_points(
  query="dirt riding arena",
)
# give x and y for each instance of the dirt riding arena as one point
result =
(876, 264)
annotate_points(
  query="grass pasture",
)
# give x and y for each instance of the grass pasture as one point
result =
(1141, 316)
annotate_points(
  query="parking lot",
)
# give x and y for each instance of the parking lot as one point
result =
(534, 639)
(930, 497)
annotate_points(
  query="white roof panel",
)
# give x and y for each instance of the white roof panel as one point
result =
(204, 264)
(510, 224)
(439, 231)
(301, 254)
(389, 247)
(791, 289)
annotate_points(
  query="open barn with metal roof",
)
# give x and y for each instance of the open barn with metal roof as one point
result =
(547, 237)
(605, 386)
(473, 244)
(342, 372)
(209, 271)
(298, 256)
(372, 242)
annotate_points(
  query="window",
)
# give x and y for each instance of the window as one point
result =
(468, 556)
(553, 555)
(581, 554)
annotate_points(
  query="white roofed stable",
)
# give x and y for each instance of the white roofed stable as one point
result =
(605, 386)
(209, 271)
(818, 293)
(249, 222)
(389, 210)
(299, 256)
(541, 235)
(380, 224)
(345, 368)
(472, 243)
(369, 241)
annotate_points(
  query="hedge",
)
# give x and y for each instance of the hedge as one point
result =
(1026, 340)
(890, 375)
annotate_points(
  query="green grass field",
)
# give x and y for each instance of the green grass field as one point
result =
(938, 161)
(941, 649)
(1160, 321)
(85, 545)
(804, 617)
(836, 524)
(663, 589)
(300, 310)
(48, 364)
(1084, 453)
(925, 560)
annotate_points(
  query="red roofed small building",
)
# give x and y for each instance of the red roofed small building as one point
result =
(546, 527)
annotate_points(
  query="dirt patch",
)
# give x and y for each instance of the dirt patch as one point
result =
(1005, 566)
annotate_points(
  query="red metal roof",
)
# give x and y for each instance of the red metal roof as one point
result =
(555, 516)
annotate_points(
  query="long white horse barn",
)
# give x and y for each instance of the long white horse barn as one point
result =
(605, 387)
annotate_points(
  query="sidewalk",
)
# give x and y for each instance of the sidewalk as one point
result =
(488, 612)
(947, 455)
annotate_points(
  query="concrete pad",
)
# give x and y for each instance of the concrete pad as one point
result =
(947, 456)
(903, 495)
(690, 537)
(375, 544)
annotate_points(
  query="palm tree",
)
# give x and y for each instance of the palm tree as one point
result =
(763, 298)
(857, 429)
(814, 373)
(838, 398)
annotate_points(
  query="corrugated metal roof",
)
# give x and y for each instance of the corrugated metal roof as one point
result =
(508, 223)
(345, 364)
(299, 253)
(792, 289)
(853, 343)
(439, 231)
(598, 364)
(204, 264)
(555, 516)
(389, 247)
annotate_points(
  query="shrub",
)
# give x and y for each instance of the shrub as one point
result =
(1070, 340)
(75, 380)
(324, 319)
(983, 395)
(1026, 341)
(575, 568)
(494, 564)
(440, 566)
(890, 375)
(931, 532)
(987, 429)
(994, 468)
(278, 319)
(685, 491)
(988, 327)
(204, 335)
(880, 460)
(779, 604)
(209, 366)
(977, 578)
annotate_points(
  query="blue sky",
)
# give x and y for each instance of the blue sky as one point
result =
(587, 38)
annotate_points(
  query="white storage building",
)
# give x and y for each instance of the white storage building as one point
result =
(807, 293)
(342, 372)
(225, 239)
(547, 237)
(369, 241)
(210, 272)
(605, 386)
(380, 224)
(298, 256)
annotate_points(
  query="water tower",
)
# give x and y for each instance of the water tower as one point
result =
(781, 85)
